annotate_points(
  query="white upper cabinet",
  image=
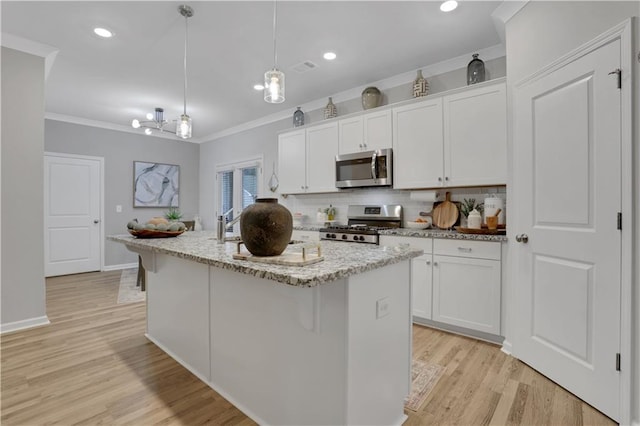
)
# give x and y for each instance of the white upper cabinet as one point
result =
(322, 148)
(292, 162)
(418, 145)
(366, 132)
(475, 135)
(454, 140)
(307, 158)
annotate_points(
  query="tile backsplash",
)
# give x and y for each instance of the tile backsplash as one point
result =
(308, 204)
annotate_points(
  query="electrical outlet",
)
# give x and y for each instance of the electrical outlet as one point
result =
(382, 307)
(118, 208)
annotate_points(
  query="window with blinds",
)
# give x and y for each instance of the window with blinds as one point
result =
(238, 187)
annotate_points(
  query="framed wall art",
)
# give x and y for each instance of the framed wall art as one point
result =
(156, 184)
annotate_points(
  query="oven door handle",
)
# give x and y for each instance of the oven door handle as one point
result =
(374, 165)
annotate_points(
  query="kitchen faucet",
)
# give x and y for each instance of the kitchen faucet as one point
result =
(222, 227)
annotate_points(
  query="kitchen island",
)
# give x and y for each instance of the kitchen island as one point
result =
(328, 343)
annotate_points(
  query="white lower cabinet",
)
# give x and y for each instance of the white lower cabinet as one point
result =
(455, 282)
(306, 236)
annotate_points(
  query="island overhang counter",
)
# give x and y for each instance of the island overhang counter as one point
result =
(326, 344)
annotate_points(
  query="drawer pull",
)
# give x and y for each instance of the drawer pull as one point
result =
(465, 249)
(435, 263)
(428, 262)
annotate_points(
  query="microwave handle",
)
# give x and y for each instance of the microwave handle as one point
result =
(374, 165)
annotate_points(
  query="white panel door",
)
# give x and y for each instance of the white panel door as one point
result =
(421, 286)
(418, 145)
(567, 143)
(322, 148)
(72, 238)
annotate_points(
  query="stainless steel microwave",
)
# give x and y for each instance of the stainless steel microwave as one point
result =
(367, 168)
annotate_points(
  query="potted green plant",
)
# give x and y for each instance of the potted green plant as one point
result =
(173, 214)
(467, 205)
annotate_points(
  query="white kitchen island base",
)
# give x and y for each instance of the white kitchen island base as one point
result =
(331, 354)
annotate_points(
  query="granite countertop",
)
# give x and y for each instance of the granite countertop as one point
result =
(441, 233)
(340, 259)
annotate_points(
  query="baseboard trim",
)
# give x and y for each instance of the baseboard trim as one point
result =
(24, 324)
(506, 347)
(119, 267)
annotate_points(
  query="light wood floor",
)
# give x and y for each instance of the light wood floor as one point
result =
(93, 365)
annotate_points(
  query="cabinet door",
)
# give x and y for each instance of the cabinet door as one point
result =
(466, 292)
(475, 135)
(377, 130)
(418, 145)
(291, 162)
(421, 286)
(322, 148)
(351, 135)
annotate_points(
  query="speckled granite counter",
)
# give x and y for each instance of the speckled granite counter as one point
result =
(439, 233)
(340, 260)
(308, 227)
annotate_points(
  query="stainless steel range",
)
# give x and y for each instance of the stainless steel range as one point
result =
(363, 224)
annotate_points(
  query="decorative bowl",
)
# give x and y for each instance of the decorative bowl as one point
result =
(417, 225)
(152, 233)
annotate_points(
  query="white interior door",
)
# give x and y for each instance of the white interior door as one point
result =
(72, 190)
(567, 145)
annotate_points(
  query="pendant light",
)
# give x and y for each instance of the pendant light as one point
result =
(184, 125)
(156, 121)
(274, 78)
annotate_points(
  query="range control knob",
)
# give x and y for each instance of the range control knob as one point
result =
(355, 238)
(333, 235)
(361, 238)
(344, 236)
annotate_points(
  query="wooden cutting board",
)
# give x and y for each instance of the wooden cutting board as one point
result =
(445, 214)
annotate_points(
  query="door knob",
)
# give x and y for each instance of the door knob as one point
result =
(522, 238)
(96, 221)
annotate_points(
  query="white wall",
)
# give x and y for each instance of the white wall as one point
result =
(120, 150)
(544, 31)
(23, 291)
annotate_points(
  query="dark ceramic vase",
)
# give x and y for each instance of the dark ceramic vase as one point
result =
(265, 227)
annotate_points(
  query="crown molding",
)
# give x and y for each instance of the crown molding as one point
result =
(452, 64)
(110, 126)
(31, 47)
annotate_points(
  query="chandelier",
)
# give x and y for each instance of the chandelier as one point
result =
(274, 78)
(156, 121)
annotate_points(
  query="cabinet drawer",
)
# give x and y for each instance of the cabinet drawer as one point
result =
(424, 244)
(467, 248)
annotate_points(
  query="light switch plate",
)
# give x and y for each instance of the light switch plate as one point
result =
(382, 307)
(118, 208)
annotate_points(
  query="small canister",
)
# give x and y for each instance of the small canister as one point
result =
(474, 220)
(491, 206)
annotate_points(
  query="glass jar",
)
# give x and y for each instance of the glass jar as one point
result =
(475, 70)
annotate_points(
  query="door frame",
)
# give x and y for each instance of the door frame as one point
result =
(623, 32)
(100, 198)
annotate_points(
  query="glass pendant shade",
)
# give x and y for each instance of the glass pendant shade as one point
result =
(274, 86)
(183, 128)
(135, 123)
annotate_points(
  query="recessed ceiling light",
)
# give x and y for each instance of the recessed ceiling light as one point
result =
(258, 87)
(448, 6)
(103, 32)
(329, 56)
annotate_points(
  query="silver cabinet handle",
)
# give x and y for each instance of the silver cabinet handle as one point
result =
(301, 186)
(435, 263)
(446, 178)
(522, 238)
(465, 249)
(96, 220)
(360, 145)
(439, 179)
(428, 262)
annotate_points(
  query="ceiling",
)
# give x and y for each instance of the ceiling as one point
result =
(115, 80)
